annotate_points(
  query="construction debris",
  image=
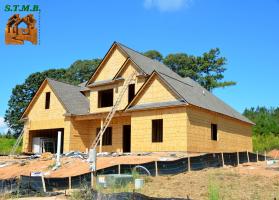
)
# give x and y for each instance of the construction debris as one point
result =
(46, 156)
(76, 154)
(3, 165)
(103, 154)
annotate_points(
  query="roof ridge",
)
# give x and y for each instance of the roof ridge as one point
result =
(175, 78)
(63, 82)
(139, 53)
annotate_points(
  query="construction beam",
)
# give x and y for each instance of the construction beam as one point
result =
(101, 138)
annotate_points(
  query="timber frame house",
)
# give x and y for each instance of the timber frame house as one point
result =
(159, 111)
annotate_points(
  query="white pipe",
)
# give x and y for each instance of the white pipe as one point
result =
(58, 149)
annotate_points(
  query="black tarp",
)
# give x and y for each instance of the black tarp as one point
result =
(81, 180)
(243, 157)
(128, 168)
(252, 157)
(53, 184)
(261, 157)
(30, 184)
(108, 170)
(150, 166)
(172, 167)
(8, 185)
(230, 159)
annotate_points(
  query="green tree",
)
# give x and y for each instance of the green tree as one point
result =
(183, 64)
(22, 94)
(211, 70)
(266, 120)
(208, 69)
(153, 54)
(81, 71)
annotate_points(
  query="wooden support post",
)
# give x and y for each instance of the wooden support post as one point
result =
(237, 155)
(156, 169)
(119, 169)
(189, 164)
(223, 162)
(70, 182)
(92, 180)
(264, 155)
(248, 159)
(257, 156)
(44, 184)
(101, 138)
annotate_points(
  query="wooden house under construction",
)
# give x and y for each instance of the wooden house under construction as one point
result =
(158, 111)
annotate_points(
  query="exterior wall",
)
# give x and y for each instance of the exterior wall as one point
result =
(155, 92)
(84, 133)
(25, 139)
(117, 87)
(41, 118)
(174, 130)
(111, 65)
(94, 97)
(233, 135)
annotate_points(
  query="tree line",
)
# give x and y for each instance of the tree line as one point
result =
(207, 69)
(266, 120)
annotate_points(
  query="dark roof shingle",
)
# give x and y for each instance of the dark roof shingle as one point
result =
(70, 96)
(192, 92)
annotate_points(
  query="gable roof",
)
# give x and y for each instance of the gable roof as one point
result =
(146, 64)
(195, 94)
(73, 101)
(70, 96)
(192, 92)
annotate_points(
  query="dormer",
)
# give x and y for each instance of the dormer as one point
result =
(108, 80)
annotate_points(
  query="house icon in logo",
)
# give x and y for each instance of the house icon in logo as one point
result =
(16, 35)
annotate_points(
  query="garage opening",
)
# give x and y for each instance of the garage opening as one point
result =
(45, 140)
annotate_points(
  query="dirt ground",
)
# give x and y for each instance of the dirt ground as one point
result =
(247, 181)
(253, 181)
(74, 166)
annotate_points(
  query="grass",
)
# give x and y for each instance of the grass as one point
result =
(263, 143)
(213, 191)
(6, 145)
(213, 184)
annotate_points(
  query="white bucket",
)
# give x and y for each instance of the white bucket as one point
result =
(139, 183)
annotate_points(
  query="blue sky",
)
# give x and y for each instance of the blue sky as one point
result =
(246, 31)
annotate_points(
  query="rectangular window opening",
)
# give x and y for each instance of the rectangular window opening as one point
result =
(131, 92)
(105, 98)
(47, 100)
(157, 130)
(107, 136)
(214, 130)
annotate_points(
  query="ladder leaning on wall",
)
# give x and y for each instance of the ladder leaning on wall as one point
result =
(112, 111)
(16, 145)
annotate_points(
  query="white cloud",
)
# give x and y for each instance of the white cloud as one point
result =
(3, 126)
(166, 5)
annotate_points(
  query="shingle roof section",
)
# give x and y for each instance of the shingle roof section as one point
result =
(146, 64)
(199, 96)
(70, 96)
(190, 90)
(157, 105)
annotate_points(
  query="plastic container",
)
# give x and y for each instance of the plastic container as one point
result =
(139, 182)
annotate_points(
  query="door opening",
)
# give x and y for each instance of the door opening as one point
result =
(127, 138)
